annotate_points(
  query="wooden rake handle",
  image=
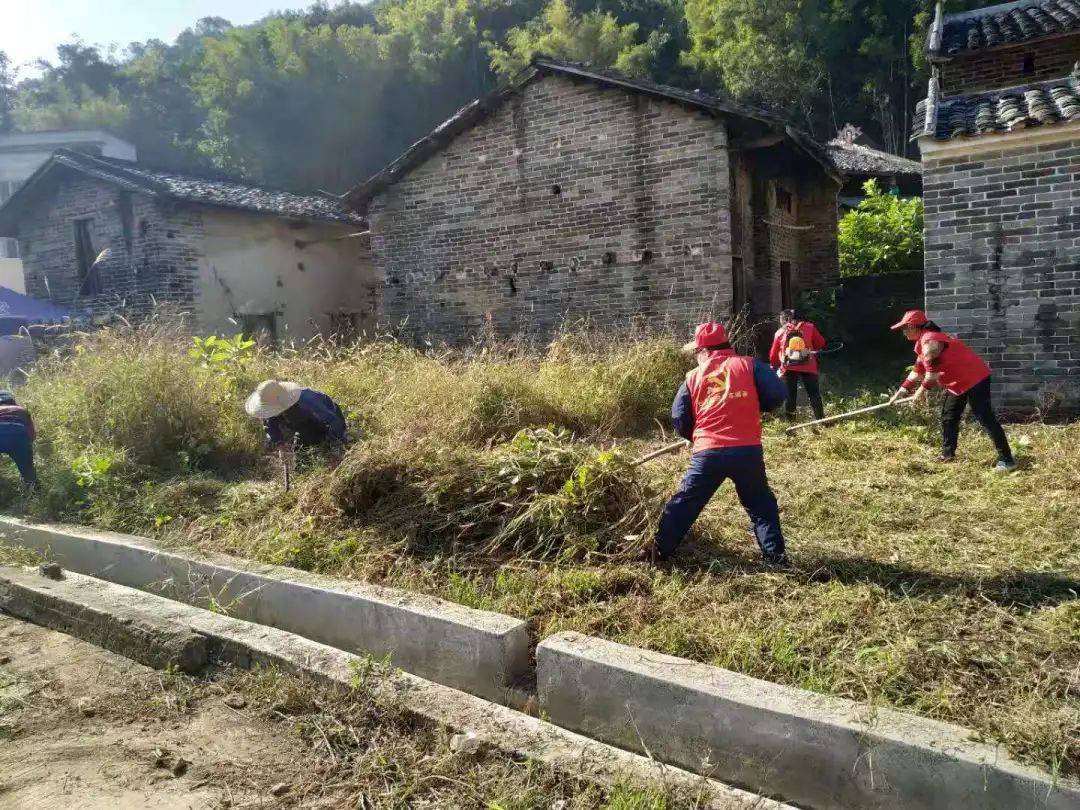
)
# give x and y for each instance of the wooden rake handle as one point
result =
(840, 417)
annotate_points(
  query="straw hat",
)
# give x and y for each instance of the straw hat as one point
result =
(272, 397)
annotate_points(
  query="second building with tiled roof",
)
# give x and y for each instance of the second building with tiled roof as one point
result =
(999, 133)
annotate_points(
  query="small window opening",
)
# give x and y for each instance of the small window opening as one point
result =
(646, 256)
(1029, 63)
(556, 189)
(126, 208)
(260, 327)
(608, 257)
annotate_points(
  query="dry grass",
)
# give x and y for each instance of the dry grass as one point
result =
(949, 591)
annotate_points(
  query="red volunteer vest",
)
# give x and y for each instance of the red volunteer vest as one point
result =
(960, 367)
(725, 400)
(780, 339)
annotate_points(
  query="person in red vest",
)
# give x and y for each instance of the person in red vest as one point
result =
(793, 355)
(718, 408)
(941, 359)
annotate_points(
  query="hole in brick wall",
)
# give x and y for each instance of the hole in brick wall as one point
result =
(280, 283)
(547, 267)
(300, 266)
(144, 226)
(513, 285)
(1029, 63)
(646, 256)
(170, 234)
(556, 189)
(608, 257)
(395, 280)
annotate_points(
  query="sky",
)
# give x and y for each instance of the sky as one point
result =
(31, 29)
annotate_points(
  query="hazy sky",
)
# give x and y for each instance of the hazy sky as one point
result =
(31, 29)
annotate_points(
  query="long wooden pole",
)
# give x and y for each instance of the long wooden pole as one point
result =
(663, 451)
(842, 416)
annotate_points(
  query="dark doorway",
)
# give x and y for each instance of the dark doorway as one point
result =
(84, 259)
(738, 285)
(785, 285)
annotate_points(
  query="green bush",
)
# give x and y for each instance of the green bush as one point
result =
(883, 235)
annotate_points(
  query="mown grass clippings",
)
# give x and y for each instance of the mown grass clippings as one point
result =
(950, 591)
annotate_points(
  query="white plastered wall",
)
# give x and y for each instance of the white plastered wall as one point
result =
(253, 266)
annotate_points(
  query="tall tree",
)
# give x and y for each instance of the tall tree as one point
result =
(7, 93)
(763, 52)
(596, 38)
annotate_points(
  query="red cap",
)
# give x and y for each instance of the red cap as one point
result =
(913, 317)
(706, 336)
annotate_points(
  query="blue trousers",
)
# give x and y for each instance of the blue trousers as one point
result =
(745, 466)
(15, 442)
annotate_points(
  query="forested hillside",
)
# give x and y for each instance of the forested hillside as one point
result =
(323, 97)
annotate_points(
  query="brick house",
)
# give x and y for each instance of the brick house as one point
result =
(577, 194)
(999, 134)
(858, 163)
(237, 257)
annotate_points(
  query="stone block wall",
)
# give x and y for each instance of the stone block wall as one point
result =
(997, 69)
(1003, 261)
(571, 201)
(155, 248)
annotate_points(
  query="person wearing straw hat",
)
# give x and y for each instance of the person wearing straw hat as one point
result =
(718, 409)
(17, 436)
(946, 361)
(310, 416)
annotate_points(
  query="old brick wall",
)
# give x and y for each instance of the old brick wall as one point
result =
(819, 252)
(155, 250)
(1003, 262)
(571, 201)
(1052, 59)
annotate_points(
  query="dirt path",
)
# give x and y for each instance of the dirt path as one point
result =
(84, 728)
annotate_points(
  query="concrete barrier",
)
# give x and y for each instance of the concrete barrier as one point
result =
(126, 629)
(477, 651)
(85, 606)
(809, 749)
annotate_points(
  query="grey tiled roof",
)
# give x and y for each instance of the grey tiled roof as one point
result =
(216, 192)
(1008, 24)
(1041, 104)
(856, 159)
(475, 111)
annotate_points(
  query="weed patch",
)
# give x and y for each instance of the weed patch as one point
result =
(499, 478)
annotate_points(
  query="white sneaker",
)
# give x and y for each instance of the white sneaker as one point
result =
(1005, 466)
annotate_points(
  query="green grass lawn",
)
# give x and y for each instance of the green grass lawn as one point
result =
(945, 590)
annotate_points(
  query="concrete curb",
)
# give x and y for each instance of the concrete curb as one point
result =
(478, 651)
(58, 604)
(814, 750)
(129, 630)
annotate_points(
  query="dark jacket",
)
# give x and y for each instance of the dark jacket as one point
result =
(314, 419)
(18, 415)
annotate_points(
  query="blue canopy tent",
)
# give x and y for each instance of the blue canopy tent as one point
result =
(18, 310)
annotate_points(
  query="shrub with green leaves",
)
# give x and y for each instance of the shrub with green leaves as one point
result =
(883, 235)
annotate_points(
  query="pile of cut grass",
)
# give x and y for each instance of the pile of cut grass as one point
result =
(949, 591)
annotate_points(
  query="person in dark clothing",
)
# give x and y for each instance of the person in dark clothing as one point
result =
(17, 434)
(793, 355)
(944, 360)
(718, 409)
(289, 410)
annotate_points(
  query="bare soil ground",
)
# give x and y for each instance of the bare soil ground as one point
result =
(82, 729)
(85, 728)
